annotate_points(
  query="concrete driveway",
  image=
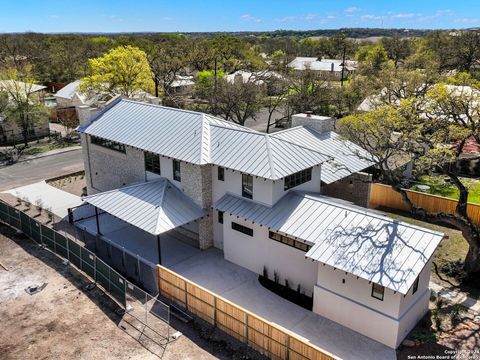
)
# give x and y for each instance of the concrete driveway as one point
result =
(239, 285)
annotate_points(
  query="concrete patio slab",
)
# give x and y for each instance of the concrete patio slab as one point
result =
(51, 197)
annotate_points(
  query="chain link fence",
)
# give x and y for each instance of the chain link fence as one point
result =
(144, 307)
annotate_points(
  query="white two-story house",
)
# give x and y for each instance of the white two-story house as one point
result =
(262, 199)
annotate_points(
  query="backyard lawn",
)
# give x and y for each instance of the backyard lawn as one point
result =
(439, 187)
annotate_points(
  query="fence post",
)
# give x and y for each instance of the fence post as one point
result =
(186, 294)
(41, 233)
(68, 247)
(146, 308)
(95, 268)
(215, 311)
(246, 327)
(287, 347)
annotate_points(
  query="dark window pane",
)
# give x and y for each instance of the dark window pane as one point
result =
(176, 171)
(221, 173)
(112, 145)
(298, 178)
(242, 229)
(378, 291)
(152, 163)
(247, 186)
(220, 217)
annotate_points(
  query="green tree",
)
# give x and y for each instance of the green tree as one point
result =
(20, 104)
(423, 130)
(123, 70)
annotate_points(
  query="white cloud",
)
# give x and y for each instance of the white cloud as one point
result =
(331, 17)
(311, 16)
(352, 9)
(405, 15)
(248, 17)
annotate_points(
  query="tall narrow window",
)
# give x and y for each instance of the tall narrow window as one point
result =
(176, 171)
(152, 162)
(247, 186)
(415, 286)
(378, 291)
(221, 173)
(220, 217)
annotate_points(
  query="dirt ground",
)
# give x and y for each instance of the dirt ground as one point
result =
(63, 321)
(73, 184)
(444, 329)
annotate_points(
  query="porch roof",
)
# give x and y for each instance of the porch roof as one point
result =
(154, 206)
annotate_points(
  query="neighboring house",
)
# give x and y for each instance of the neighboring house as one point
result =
(10, 132)
(257, 77)
(328, 68)
(70, 97)
(258, 197)
(182, 85)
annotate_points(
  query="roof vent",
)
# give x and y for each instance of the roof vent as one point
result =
(308, 113)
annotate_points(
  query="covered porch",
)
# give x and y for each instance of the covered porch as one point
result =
(153, 220)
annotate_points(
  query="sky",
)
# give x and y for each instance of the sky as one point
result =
(53, 16)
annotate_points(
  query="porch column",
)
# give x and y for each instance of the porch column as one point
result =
(97, 220)
(159, 250)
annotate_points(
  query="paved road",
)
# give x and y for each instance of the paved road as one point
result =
(32, 171)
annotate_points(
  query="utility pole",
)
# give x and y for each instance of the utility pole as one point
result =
(343, 62)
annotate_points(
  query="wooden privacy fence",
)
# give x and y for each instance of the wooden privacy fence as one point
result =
(263, 336)
(384, 196)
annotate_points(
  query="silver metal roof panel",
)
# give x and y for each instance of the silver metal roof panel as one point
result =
(155, 206)
(374, 247)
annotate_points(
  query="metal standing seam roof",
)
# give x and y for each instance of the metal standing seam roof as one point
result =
(154, 206)
(274, 158)
(376, 248)
(201, 139)
(348, 158)
(69, 90)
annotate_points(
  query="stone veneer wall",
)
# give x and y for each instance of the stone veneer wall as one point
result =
(107, 169)
(197, 183)
(354, 188)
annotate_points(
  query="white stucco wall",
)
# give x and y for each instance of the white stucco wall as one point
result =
(265, 191)
(351, 304)
(258, 251)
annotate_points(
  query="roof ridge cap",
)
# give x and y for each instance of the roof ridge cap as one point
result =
(162, 200)
(273, 173)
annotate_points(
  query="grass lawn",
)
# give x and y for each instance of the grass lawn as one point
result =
(40, 149)
(439, 187)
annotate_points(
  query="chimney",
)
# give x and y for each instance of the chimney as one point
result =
(333, 67)
(85, 113)
(319, 123)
